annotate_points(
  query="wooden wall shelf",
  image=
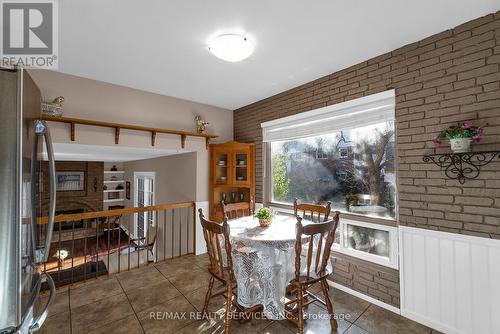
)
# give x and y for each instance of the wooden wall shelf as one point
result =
(118, 126)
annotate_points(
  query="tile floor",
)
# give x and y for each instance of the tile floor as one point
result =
(123, 304)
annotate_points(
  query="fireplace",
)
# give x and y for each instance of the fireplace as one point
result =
(64, 226)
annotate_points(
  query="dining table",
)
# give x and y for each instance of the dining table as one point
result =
(264, 261)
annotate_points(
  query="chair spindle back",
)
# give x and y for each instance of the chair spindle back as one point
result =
(214, 233)
(237, 210)
(318, 259)
(315, 211)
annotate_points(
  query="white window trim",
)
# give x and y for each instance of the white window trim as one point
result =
(367, 110)
(371, 109)
(391, 262)
(137, 175)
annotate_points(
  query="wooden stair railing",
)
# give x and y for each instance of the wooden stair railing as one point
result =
(106, 243)
(112, 213)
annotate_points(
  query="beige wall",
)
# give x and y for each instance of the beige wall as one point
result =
(90, 99)
(175, 177)
(99, 100)
(175, 181)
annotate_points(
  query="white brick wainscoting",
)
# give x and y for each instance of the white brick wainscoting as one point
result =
(450, 282)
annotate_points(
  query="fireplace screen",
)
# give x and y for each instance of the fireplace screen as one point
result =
(70, 181)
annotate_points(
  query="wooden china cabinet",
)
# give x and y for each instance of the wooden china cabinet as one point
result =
(232, 168)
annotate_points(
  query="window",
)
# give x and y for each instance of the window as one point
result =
(320, 154)
(144, 185)
(342, 153)
(347, 157)
(364, 186)
(368, 241)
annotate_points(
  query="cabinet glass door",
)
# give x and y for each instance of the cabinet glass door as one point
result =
(241, 163)
(221, 170)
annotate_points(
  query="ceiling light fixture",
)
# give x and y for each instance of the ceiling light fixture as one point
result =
(231, 47)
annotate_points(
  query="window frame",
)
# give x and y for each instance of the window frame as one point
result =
(385, 100)
(392, 261)
(321, 155)
(137, 176)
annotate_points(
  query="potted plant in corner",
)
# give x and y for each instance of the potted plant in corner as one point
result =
(460, 137)
(265, 216)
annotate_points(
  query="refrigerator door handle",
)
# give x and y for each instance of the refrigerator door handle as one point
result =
(38, 320)
(41, 128)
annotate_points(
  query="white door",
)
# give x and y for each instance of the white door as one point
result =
(144, 195)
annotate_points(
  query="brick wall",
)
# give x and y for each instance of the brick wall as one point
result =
(444, 79)
(371, 279)
(89, 199)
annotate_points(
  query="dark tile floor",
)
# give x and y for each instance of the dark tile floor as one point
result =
(126, 302)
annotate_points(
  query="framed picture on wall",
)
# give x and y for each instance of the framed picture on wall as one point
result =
(127, 190)
(70, 181)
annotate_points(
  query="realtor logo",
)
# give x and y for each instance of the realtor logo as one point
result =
(29, 33)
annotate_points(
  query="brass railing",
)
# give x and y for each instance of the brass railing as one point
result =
(91, 244)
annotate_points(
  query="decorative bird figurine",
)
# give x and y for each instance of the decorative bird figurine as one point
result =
(53, 108)
(201, 124)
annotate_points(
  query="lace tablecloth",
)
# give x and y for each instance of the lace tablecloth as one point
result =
(264, 261)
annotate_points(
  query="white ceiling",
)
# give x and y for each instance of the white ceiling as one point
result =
(160, 46)
(79, 152)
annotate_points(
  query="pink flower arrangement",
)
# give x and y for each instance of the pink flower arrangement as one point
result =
(466, 130)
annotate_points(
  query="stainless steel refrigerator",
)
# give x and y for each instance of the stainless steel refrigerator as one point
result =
(22, 134)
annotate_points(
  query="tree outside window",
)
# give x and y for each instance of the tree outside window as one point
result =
(353, 168)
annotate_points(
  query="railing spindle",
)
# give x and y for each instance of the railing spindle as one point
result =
(146, 241)
(156, 233)
(180, 232)
(138, 251)
(85, 258)
(119, 242)
(164, 234)
(97, 248)
(188, 211)
(128, 253)
(58, 255)
(109, 241)
(72, 251)
(172, 234)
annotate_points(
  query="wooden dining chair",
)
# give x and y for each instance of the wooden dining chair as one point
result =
(220, 267)
(314, 210)
(237, 210)
(320, 236)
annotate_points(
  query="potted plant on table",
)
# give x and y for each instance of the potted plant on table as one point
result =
(265, 216)
(460, 137)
